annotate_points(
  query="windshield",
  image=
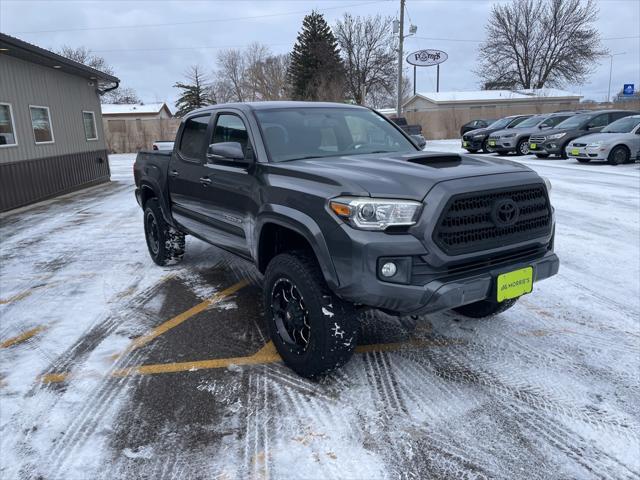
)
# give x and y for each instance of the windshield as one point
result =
(316, 132)
(574, 122)
(500, 123)
(532, 121)
(624, 125)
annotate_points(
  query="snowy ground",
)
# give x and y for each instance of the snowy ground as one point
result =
(550, 389)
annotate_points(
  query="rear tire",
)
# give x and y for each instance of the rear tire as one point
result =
(165, 243)
(618, 155)
(485, 308)
(313, 330)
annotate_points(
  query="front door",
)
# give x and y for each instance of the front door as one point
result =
(229, 193)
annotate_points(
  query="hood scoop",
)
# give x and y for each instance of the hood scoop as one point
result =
(436, 160)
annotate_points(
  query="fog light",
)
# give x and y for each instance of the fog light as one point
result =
(389, 269)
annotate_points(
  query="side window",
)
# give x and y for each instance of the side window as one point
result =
(41, 124)
(194, 136)
(90, 130)
(618, 115)
(599, 121)
(7, 126)
(552, 122)
(231, 128)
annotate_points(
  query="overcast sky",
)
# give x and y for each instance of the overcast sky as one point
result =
(151, 43)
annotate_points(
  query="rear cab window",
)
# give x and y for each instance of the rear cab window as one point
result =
(194, 137)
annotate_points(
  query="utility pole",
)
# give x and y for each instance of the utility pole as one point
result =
(611, 55)
(400, 41)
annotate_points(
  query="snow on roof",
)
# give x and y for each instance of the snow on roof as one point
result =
(494, 95)
(111, 109)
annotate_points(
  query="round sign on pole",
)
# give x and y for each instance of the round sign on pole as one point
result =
(427, 58)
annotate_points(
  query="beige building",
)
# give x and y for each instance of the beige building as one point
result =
(441, 114)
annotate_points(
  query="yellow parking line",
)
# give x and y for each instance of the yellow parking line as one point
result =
(16, 297)
(178, 319)
(265, 355)
(22, 337)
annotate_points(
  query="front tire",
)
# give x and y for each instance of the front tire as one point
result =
(485, 308)
(313, 330)
(485, 147)
(523, 147)
(618, 155)
(165, 243)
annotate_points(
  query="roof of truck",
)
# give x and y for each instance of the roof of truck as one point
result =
(276, 104)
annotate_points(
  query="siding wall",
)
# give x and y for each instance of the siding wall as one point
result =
(30, 172)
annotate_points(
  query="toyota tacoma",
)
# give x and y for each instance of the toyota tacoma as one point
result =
(340, 211)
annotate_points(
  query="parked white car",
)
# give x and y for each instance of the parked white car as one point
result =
(162, 145)
(618, 142)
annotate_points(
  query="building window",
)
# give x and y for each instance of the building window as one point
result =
(90, 130)
(41, 124)
(7, 126)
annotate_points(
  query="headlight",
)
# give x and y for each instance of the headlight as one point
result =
(547, 182)
(375, 213)
(595, 144)
(557, 135)
(509, 135)
(479, 136)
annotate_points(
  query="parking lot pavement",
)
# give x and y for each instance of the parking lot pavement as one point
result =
(112, 367)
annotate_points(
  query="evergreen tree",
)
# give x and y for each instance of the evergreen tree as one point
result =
(196, 92)
(316, 71)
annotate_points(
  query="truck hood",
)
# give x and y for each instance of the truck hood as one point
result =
(401, 175)
(604, 137)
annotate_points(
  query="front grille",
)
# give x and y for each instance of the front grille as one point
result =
(538, 139)
(470, 222)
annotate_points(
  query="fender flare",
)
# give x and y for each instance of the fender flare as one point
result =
(153, 185)
(305, 226)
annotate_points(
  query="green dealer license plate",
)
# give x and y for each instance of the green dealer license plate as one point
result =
(465, 144)
(575, 152)
(515, 284)
(533, 146)
(492, 143)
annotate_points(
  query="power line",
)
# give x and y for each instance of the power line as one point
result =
(439, 39)
(194, 22)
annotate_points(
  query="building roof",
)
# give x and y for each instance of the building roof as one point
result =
(494, 95)
(134, 109)
(26, 51)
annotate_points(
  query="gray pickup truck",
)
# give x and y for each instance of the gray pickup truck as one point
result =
(340, 211)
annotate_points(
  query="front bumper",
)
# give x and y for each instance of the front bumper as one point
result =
(502, 144)
(549, 147)
(590, 153)
(472, 143)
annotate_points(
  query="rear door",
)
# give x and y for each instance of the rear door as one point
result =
(185, 170)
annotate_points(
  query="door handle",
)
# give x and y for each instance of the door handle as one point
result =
(205, 181)
(174, 173)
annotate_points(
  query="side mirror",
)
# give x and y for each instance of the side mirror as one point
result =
(230, 151)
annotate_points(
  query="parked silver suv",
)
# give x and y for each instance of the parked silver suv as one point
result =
(618, 142)
(516, 139)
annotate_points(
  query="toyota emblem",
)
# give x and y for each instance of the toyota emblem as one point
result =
(505, 213)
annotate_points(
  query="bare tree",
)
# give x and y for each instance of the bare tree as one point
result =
(368, 50)
(87, 57)
(539, 43)
(270, 77)
(250, 74)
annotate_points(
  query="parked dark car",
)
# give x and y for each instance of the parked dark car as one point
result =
(475, 124)
(516, 139)
(478, 139)
(555, 141)
(340, 211)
